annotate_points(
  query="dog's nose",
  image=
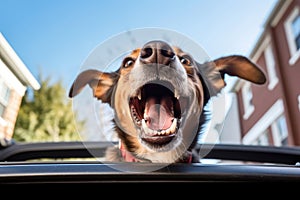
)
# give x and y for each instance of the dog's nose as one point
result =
(157, 52)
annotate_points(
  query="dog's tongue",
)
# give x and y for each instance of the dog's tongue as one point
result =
(159, 113)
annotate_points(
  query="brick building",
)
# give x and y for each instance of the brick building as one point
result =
(270, 114)
(15, 78)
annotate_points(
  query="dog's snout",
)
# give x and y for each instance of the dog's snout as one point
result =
(158, 52)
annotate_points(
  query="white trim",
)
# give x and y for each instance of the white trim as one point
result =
(11, 80)
(261, 48)
(249, 111)
(237, 85)
(266, 120)
(280, 13)
(275, 135)
(299, 102)
(248, 107)
(270, 64)
(3, 122)
(278, 136)
(14, 62)
(294, 53)
(294, 58)
(272, 20)
(273, 83)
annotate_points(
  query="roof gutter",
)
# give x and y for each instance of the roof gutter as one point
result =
(271, 20)
(15, 64)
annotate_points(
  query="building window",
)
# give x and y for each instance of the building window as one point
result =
(4, 96)
(280, 131)
(270, 62)
(296, 31)
(292, 29)
(247, 100)
(262, 139)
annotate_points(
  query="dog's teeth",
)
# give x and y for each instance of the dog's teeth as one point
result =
(168, 131)
(144, 124)
(176, 95)
(146, 129)
(139, 95)
(173, 126)
(145, 117)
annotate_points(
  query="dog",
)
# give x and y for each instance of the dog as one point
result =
(158, 95)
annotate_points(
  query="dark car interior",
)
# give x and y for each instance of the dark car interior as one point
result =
(72, 162)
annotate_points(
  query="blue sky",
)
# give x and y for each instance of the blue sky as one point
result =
(54, 37)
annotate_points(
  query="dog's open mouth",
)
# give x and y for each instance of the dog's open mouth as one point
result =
(156, 110)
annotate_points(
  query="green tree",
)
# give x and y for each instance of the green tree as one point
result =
(47, 115)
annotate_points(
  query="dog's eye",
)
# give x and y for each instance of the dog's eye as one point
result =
(185, 61)
(128, 62)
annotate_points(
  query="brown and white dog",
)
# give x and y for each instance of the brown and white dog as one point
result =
(158, 95)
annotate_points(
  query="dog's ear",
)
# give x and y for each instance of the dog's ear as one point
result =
(101, 83)
(235, 65)
(240, 66)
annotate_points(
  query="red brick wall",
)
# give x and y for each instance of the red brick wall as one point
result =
(287, 89)
(262, 100)
(290, 76)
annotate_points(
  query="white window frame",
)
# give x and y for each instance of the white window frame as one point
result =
(4, 99)
(277, 135)
(299, 102)
(248, 106)
(294, 53)
(270, 62)
(262, 139)
(264, 122)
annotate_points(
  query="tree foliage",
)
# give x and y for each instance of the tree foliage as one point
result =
(47, 115)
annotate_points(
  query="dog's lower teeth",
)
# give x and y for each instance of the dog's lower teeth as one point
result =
(151, 132)
(168, 131)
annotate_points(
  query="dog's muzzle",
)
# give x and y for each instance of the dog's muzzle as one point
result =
(156, 106)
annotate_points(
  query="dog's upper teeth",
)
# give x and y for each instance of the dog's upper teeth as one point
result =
(145, 116)
(139, 95)
(173, 126)
(176, 95)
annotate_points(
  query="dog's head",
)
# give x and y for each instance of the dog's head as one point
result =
(159, 93)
